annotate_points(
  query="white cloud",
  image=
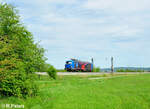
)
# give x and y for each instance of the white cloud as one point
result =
(62, 1)
(118, 5)
(2, 1)
(48, 2)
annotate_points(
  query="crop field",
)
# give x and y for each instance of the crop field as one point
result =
(82, 92)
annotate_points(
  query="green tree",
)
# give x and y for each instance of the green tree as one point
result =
(96, 69)
(19, 55)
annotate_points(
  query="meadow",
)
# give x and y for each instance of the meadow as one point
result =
(80, 92)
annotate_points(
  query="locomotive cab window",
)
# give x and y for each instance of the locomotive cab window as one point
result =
(69, 62)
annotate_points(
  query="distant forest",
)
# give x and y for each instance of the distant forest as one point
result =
(121, 69)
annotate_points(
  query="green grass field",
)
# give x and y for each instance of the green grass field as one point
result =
(76, 92)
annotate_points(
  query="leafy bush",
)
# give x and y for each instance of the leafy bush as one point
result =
(52, 72)
(61, 70)
(19, 86)
(19, 55)
(14, 81)
(96, 69)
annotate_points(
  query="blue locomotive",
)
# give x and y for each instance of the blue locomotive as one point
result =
(75, 65)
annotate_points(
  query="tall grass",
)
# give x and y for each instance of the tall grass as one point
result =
(76, 92)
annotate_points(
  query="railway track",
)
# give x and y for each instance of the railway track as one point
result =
(91, 73)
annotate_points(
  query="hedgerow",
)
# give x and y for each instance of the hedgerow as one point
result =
(19, 55)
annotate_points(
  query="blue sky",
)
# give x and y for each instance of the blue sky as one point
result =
(84, 29)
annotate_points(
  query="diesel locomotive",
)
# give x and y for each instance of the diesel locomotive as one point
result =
(75, 65)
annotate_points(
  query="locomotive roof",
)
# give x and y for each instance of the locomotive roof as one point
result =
(81, 61)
